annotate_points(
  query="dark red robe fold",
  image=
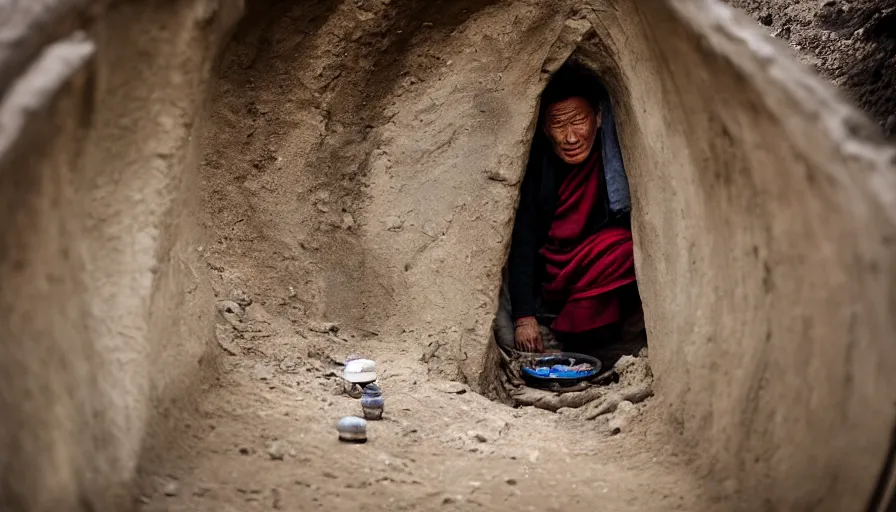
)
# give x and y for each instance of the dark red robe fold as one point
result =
(583, 271)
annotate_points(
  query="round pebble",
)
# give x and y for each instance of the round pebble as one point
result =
(372, 402)
(352, 429)
(373, 389)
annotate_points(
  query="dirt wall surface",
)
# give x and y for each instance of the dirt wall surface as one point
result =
(352, 195)
(720, 269)
(359, 164)
(741, 260)
(105, 315)
(851, 43)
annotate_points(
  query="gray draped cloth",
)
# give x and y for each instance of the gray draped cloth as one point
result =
(614, 169)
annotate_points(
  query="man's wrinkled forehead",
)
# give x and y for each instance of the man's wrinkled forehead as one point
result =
(569, 107)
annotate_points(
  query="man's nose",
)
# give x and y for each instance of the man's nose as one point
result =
(571, 136)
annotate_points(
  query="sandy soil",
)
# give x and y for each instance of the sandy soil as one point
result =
(267, 441)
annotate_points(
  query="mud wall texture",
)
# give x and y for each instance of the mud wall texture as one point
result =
(374, 180)
(378, 191)
(851, 43)
(105, 319)
(763, 233)
(382, 193)
(360, 163)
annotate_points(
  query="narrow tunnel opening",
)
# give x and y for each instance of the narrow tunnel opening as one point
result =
(569, 316)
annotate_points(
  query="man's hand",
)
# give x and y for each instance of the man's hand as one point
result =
(527, 335)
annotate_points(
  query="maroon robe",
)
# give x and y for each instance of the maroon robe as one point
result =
(584, 271)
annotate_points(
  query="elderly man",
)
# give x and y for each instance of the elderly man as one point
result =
(571, 254)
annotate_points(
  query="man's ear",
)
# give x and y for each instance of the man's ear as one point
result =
(598, 118)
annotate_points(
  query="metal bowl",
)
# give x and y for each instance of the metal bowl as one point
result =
(563, 358)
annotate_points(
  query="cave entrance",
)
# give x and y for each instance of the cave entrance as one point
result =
(569, 283)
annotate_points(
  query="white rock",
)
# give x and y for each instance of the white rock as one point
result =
(393, 223)
(170, 488)
(625, 407)
(276, 451)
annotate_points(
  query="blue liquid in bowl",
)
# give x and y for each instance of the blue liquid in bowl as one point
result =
(558, 371)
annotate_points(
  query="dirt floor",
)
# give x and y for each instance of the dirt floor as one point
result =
(267, 440)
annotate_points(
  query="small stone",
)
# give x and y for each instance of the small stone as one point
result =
(372, 402)
(352, 429)
(230, 307)
(309, 245)
(241, 298)
(144, 500)
(496, 175)
(289, 364)
(451, 387)
(393, 223)
(510, 481)
(348, 222)
(244, 451)
(323, 327)
(262, 373)
(625, 407)
(618, 424)
(373, 390)
(477, 436)
(448, 500)
(276, 451)
(170, 488)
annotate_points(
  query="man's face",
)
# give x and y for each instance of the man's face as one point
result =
(572, 125)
